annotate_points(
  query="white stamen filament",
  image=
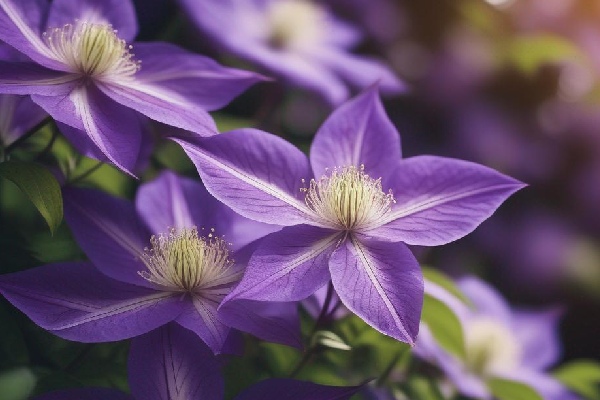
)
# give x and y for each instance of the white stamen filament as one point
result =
(92, 49)
(490, 347)
(348, 198)
(183, 261)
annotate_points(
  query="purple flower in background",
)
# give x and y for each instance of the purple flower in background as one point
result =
(151, 263)
(169, 363)
(349, 212)
(298, 40)
(499, 343)
(85, 75)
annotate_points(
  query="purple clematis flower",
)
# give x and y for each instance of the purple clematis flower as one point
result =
(150, 264)
(298, 40)
(499, 343)
(169, 363)
(349, 212)
(85, 75)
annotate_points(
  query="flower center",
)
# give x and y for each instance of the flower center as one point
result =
(92, 49)
(490, 347)
(180, 260)
(348, 198)
(293, 24)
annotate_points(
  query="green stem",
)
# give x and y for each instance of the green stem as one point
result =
(87, 173)
(50, 143)
(27, 135)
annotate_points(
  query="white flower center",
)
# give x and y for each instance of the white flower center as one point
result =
(92, 49)
(295, 24)
(182, 261)
(491, 347)
(348, 198)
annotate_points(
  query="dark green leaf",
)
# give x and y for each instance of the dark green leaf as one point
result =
(439, 278)
(40, 186)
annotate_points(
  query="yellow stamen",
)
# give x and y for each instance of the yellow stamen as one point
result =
(92, 49)
(183, 261)
(348, 198)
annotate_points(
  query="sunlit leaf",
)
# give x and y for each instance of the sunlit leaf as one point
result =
(444, 325)
(583, 377)
(505, 389)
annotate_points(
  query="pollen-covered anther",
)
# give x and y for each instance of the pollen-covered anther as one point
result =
(92, 49)
(294, 24)
(348, 198)
(181, 260)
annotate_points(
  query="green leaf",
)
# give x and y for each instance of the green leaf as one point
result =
(582, 377)
(40, 186)
(444, 325)
(442, 280)
(505, 389)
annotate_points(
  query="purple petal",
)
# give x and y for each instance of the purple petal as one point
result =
(85, 394)
(358, 132)
(200, 316)
(173, 201)
(381, 282)
(439, 200)
(118, 13)
(109, 232)
(537, 332)
(486, 299)
(200, 80)
(18, 114)
(171, 363)
(270, 321)
(76, 302)
(21, 25)
(257, 174)
(27, 78)
(290, 389)
(362, 71)
(288, 265)
(114, 129)
(161, 104)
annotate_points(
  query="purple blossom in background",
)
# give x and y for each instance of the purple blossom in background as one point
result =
(349, 212)
(300, 41)
(85, 75)
(169, 363)
(499, 343)
(129, 289)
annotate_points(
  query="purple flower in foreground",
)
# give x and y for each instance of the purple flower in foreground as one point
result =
(129, 289)
(499, 343)
(169, 363)
(353, 208)
(298, 40)
(84, 74)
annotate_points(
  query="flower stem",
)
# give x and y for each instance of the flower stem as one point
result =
(86, 173)
(27, 135)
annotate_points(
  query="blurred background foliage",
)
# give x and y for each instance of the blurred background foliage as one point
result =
(512, 84)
